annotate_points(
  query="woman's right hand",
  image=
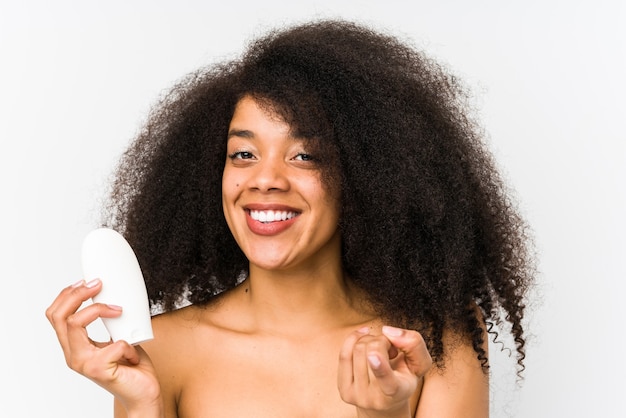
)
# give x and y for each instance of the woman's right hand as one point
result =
(124, 370)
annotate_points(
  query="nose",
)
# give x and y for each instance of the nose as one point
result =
(270, 175)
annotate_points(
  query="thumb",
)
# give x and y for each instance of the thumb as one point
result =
(413, 346)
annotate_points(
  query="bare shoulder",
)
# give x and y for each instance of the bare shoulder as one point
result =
(183, 340)
(179, 331)
(461, 387)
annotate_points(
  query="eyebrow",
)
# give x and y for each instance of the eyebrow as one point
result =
(242, 133)
(245, 133)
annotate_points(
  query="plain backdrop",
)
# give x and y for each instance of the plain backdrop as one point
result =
(77, 79)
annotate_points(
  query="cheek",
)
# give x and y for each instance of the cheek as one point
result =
(328, 199)
(333, 201)
(228, 187)
(230, 182)
(328, 195)
(231, 190)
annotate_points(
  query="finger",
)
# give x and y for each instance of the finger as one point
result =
(78, 347)
(69, 300)
(360, 367)
(115, 354)
(385, 377)
(345, 374)
(103, 365)
(67, 303)
(381, 369)
(413, 346)
(77, 323)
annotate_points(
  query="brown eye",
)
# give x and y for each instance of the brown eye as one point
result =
(303, 157)
(241, 155)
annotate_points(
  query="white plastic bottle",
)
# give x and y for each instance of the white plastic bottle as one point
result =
(106, 255)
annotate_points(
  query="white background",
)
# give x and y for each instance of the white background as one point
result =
(78, 77)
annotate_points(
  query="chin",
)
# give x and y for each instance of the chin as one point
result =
(269, 263)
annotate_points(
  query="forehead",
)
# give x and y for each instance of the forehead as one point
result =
(249, 107)
(252, 119)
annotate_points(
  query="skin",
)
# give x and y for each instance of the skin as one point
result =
(295, 339)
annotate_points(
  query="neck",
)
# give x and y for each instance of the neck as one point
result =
(306, 300)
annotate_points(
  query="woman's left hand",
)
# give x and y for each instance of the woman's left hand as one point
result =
(379, 373)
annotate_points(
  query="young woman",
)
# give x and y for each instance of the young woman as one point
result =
(325, 211)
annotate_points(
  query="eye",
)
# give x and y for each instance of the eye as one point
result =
(304, 157)
(241, 155)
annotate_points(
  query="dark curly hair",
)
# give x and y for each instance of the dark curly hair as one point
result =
(428, 228)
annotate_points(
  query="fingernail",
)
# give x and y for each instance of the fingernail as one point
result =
(78, 283)
(363, 330)
(92, 283)
(392, 331)
(374, 361)
(115, 307)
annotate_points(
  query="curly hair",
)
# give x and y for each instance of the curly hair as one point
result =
(428, 228)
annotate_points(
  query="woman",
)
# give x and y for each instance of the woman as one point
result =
(343, 240)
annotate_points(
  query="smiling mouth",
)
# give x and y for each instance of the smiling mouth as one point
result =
(269, 216)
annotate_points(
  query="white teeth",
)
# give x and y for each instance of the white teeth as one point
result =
(271, 215)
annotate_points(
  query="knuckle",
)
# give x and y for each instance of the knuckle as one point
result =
(344, 356)
(50, 314)
(88, 366)
(371, 344)
(73, 322)
(413, 335)
(54, 317)
(377, 345)
(419, 338)
(74, 362)
(416, 339)
(90, 369)
(373, 403)
(360, 347)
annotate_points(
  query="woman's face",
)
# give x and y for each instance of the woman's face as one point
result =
(274, 201)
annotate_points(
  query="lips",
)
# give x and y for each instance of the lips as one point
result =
(267, 222)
